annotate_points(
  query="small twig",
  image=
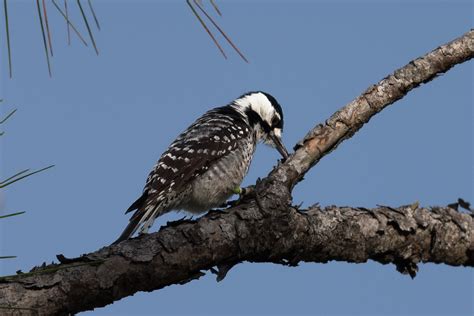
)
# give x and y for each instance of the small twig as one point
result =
(222, 270)
(63, 259)
(461, 203)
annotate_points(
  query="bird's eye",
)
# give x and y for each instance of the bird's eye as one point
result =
(275, 121)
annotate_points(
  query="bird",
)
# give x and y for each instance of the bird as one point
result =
(206, 163)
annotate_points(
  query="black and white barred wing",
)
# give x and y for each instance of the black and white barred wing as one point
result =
(210, 138)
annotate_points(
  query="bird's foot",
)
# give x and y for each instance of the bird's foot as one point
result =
(237, 190)
(243, 193)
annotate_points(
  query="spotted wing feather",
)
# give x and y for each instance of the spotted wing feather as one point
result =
(210, 138)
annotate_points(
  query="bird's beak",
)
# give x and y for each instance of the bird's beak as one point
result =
(279, 145)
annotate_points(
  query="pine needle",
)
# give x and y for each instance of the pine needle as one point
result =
(215, 7)
(44, 37)
(14, 176)
(70, 23)
(206, 28)
(221, 31)
(93, 14)
(8, 116)
(88, 27)
(12, 214)
(8, 37)
(67, 23)
(47, 28)
(17, 177)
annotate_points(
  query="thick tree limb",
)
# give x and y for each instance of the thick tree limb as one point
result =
(264, 227)
(179, 253)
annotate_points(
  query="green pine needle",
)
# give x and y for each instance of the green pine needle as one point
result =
(7, 257)
(12, 214)
(8, 116)
(20, 175)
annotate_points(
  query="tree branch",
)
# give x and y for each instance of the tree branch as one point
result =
(324, 138)
(264, 227)
(180, 252)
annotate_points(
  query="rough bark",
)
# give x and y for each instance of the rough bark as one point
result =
(264, 227)
(180, 252)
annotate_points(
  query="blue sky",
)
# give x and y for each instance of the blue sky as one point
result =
(103, 121)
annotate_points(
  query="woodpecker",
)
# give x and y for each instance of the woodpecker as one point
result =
(206, 164)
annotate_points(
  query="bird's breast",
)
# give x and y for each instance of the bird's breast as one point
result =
(218, 183)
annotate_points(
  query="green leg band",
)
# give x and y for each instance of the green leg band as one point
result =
(238, 190)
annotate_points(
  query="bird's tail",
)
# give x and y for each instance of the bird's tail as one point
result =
(135, 220)
(144, 216)
(131, 228)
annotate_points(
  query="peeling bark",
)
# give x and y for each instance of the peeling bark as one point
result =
(264, 227)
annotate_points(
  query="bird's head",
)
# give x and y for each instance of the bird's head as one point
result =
(265, 115)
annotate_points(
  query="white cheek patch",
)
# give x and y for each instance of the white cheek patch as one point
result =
(259, 103)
